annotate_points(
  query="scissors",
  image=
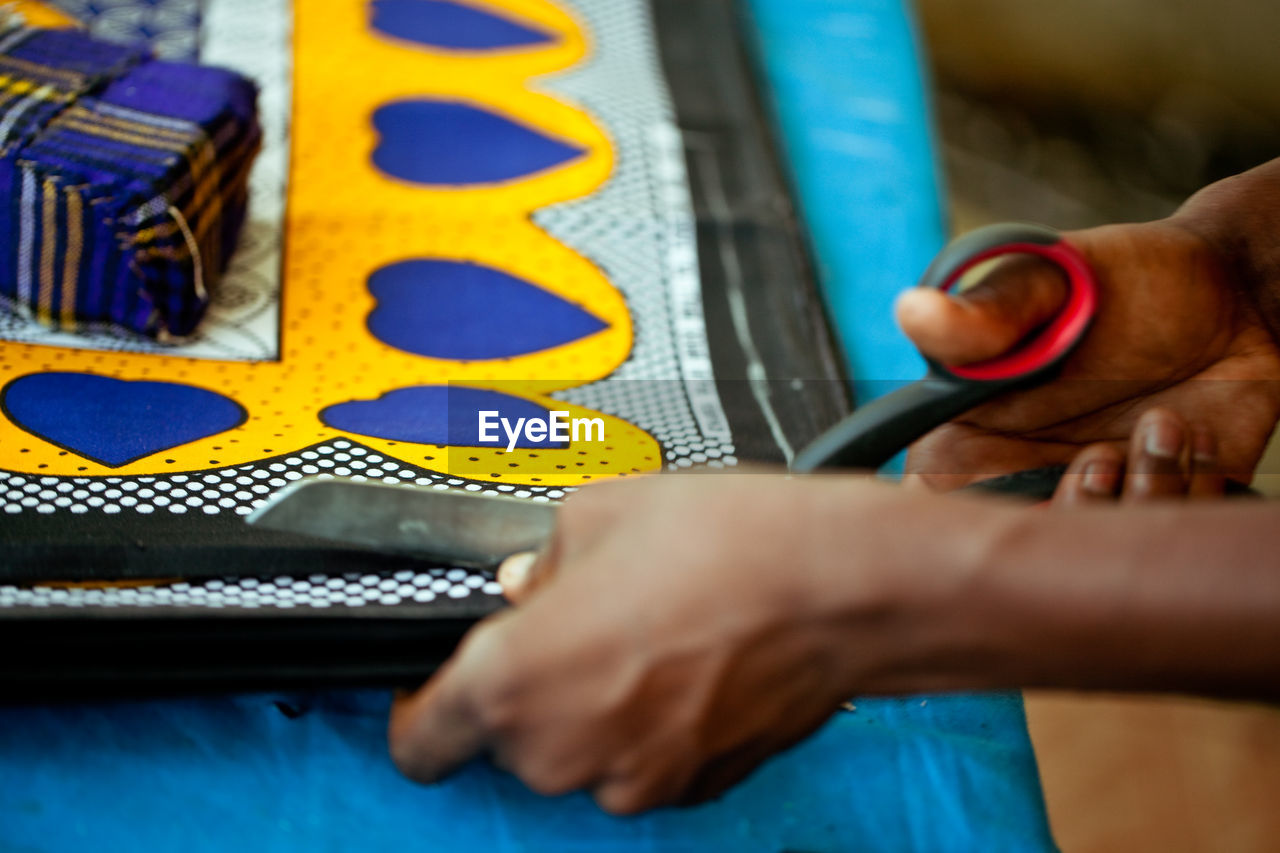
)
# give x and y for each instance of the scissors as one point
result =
(470, 530)
(879, 430)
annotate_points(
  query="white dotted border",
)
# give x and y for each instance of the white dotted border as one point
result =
(318, 591)
(240, 489)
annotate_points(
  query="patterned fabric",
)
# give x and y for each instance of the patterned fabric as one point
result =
(125, 178)
(171, 28)
(44, 70)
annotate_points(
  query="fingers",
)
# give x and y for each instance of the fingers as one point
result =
(1093, 476)
(436, 730)
(721, 774)
(582, 521)
(986, 320)
(523, 574)
(520, 574)
(579, 522)
(1167, 459)
(1207, 480)
(1157, 457)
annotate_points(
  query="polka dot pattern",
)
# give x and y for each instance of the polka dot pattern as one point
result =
(637, 228)
(239, 490)
(316, 592)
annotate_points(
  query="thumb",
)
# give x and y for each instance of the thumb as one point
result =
(521, 574)
(986, 320)
(579, 522)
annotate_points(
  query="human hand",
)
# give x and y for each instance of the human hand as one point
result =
(1173, 329)
(1168, 459)
(678, 631)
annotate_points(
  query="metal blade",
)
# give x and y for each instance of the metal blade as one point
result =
(451, 527)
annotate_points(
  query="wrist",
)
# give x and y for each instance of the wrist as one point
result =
(912, 604)
(1238, 219)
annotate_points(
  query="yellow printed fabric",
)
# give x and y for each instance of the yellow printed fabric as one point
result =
(484, 210)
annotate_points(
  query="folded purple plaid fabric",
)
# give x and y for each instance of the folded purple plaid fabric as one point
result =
(124, 181)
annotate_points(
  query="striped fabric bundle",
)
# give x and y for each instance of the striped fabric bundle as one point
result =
(125, 179)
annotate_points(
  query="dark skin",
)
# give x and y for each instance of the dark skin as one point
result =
(1175, 328)
(680, 630)
(1187, 466)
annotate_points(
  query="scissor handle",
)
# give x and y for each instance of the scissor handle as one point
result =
(874, 433)
(1047, 348)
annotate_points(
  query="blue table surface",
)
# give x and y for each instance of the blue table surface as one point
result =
(263, 772)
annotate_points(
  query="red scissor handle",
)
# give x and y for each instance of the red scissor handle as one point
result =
(1048, 347)
(876, 431)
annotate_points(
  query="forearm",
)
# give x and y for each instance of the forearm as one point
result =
(1182, 598)
(1178, 598)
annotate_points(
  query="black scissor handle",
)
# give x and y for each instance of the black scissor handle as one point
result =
(877, 431)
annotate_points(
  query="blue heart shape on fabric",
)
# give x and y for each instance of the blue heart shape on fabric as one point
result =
(445, 143)
(467, 312)
(444, 23)
(435, 414)
(116, 421)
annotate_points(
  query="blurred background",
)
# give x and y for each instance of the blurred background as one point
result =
(1076, 113)
(1086, 111)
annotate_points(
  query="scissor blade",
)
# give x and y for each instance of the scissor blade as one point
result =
(448, 526)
